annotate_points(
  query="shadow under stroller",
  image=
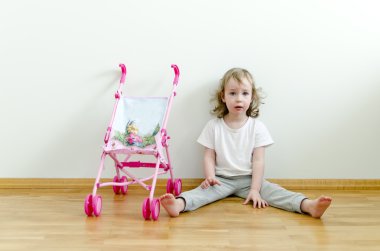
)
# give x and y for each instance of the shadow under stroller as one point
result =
(137, 127)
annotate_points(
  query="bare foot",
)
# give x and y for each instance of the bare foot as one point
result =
(172, 205)
(316, 207)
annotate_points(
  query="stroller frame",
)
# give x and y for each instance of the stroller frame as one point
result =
(150, 205)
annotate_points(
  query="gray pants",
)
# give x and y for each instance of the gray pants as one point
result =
(275, 195)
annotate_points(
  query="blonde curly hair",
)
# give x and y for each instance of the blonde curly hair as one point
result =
(238, 74)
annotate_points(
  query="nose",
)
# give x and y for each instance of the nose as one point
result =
(239, 97)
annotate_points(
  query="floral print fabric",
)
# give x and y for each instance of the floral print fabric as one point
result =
(137, 121)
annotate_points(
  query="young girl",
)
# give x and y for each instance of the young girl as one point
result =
(233, 162)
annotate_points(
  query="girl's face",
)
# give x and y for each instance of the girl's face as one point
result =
(237, 96)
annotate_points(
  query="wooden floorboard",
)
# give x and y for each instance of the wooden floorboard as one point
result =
(53, 219)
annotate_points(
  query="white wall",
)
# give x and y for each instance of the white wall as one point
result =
(317, 61)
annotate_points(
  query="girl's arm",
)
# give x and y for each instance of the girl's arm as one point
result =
(209, 168)
(258, 160)
(257, 178)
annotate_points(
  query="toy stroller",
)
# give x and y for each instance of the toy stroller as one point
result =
(137, 127)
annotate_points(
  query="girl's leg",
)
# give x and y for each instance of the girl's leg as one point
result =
(277, 196)
(196, 198)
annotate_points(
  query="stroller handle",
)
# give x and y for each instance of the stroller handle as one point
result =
(123, 73)
(176, 72)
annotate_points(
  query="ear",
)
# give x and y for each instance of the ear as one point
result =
(222, 97)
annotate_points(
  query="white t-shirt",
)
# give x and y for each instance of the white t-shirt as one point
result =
(234, 147)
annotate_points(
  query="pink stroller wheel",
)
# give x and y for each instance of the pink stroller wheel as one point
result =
(124, 188)
(116, 189)
(146, 209)
(97, 204)
(169, 186)
(155, 209)
(177, 187)
(88, 205)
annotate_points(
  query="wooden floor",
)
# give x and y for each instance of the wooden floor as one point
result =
(53, 219)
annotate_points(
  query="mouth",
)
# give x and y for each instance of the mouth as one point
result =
(238, 107)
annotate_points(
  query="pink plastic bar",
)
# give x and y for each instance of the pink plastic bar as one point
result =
(115, 184)
(117, 97)
(123, 73)
(96, 185)
(170, 169)
(141, 164)
(107, 136)
(156, 173)
(176, 72)
(169, 107)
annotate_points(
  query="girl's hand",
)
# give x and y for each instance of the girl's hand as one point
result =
(258, 202)
(210, 182)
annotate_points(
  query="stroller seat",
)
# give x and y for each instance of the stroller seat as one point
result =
(137, 122)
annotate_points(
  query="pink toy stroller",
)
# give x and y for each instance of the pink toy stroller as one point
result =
(137, 127)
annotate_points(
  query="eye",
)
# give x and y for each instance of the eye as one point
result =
(245, 93)
(232, 93)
